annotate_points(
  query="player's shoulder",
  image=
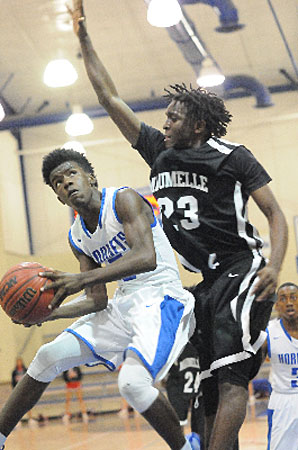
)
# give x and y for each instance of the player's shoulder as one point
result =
(223, 145)
(273, 323)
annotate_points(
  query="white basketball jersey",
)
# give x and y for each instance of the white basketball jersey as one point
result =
(283, 352)
(107, 244)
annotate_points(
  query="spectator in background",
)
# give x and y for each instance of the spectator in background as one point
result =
(72, 378)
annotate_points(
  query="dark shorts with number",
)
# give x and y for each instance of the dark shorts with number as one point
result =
(230, 324)
(183, 403)
(179, 401)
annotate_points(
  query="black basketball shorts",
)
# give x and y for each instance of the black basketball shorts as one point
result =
(180, 401)
(230, 324)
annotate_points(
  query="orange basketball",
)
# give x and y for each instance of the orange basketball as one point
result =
(20, 295)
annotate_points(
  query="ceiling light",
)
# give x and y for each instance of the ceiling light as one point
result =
(2, 112)
(209, 75)
(78, 123)
(59, 73)
(164, 13)
(74, 145)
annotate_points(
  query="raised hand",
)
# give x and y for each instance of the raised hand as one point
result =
(78, 18)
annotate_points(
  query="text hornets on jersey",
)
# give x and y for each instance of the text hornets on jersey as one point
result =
(288, 358)
(112, 249)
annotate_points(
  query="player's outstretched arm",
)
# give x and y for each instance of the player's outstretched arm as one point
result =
(106, 91)
(268, 277)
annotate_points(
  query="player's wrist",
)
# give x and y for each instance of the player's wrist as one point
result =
(82, 30)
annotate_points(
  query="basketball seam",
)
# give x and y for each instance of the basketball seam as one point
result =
(36, 266)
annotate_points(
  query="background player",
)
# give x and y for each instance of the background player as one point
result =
(282, 348)
(202, 184)
(184, 392)
(150, 318)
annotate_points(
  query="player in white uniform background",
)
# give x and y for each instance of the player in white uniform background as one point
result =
(282, 348)
(115, 236)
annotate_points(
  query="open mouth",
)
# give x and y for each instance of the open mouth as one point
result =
(72, 193)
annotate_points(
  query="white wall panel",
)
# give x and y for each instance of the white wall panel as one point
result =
(13, 213)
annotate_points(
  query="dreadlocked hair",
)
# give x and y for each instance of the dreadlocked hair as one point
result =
(60, 156)
(202, 105)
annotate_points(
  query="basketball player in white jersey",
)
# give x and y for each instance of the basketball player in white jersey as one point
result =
(202, 184)
(282, 348)
(147, 323)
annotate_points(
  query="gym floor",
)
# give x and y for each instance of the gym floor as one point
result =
(110, 431)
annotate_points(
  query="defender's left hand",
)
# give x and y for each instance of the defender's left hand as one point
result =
(266, 284)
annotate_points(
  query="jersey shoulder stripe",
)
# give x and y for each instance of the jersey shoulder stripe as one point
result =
(222, 145)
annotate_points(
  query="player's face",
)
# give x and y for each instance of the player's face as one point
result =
(177, 129)
(287, 302)
(72, 184)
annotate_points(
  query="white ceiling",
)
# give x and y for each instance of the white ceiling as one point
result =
(141, 59)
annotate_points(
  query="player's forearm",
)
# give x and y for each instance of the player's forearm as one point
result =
(133, 263)
(97, 73)
(80, 306)
(278, 238)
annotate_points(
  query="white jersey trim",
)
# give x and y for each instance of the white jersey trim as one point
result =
(222, 148)
(242, 219)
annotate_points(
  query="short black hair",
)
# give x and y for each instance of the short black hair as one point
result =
(202, 105)
(288, 283)
(60, 156)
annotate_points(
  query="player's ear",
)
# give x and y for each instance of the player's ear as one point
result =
(200, 127)
(92, 180)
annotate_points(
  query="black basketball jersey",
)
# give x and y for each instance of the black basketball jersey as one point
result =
(203, 194)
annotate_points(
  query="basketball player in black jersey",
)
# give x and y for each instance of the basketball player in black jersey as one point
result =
(202, 184)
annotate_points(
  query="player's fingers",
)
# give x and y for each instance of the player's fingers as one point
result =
(262, 283)
(69, 10)
(26, 325)
(57, 300)
(15, 322)
(47, 287)
(78, 5)
(265, 293)
(51, 275)
(55, 285)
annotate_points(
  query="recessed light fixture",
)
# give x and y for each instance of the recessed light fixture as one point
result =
(59, 73)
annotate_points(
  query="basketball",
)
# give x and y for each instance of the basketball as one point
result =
(20, 295)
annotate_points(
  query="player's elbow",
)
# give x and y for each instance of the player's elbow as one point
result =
(150, 261)
(99, 303)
